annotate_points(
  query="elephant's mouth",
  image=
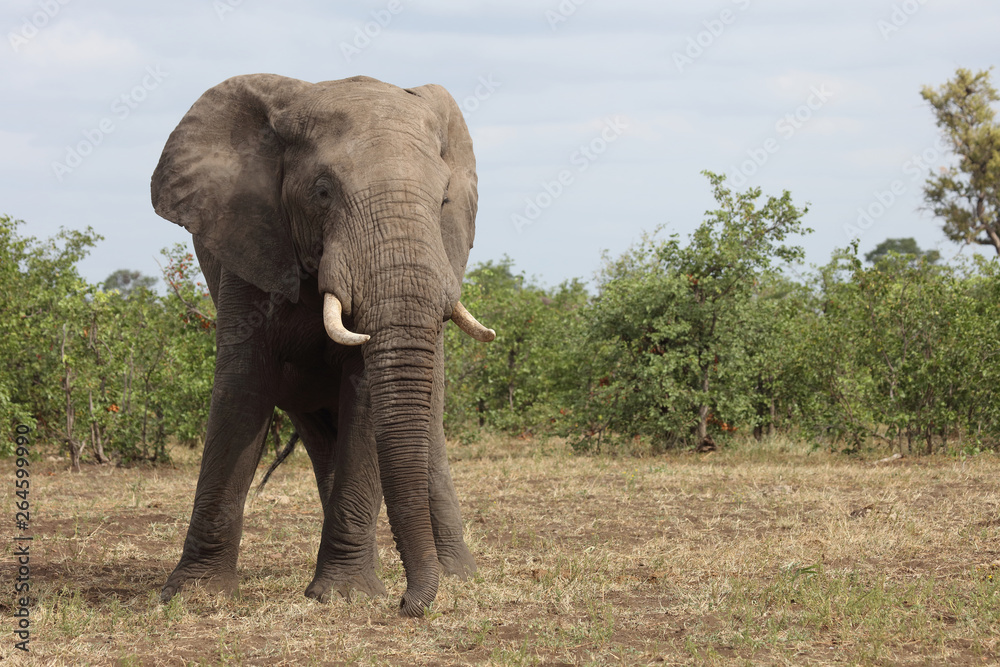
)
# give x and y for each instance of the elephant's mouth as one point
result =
(332, 320)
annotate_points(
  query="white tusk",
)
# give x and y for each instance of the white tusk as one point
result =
(470, 325)
(335, 325)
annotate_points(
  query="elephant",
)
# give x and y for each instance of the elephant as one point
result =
(333, 223)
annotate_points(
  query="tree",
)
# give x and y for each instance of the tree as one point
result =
(126, 282)
(510, 384)
(774, 354)
(43, 306)
(189, 371)
(106, 374)
(671, 322)
(900, 353)
(906, 246)
(967, 195)
(14, 250)
(137, 367)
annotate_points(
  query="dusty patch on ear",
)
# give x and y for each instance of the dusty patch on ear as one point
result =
(220, 175)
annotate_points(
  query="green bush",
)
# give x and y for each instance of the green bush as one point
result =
(679, 333)
(513, 384)
(106, 374)
(911, 348)
(684, 344)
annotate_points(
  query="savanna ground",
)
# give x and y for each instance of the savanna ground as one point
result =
(759, 554)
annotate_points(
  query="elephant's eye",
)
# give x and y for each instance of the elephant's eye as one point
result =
(323, 190)
(323, 195)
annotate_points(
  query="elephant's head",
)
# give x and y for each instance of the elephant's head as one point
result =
(372, 189)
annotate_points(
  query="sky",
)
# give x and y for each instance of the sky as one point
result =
(591, 119)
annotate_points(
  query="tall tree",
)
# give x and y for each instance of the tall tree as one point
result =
(126, 282)
(967, 195)
(678, 322)
(907, 246)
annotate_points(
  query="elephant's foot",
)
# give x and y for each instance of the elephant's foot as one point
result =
(213, 581)
(456, 561)
(365, 581)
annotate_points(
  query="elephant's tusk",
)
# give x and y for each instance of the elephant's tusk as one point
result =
(470, 325)
(335, 326)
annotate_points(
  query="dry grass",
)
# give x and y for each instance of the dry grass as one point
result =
(762, 555)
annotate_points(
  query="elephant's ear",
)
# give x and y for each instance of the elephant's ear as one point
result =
(219, 177)
(458, 214)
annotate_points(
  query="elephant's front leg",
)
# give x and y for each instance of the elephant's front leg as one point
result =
(446, 517)
(342, 450)
(239, 414)
(237, 426)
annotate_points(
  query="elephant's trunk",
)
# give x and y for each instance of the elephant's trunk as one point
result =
(392, 274)
(400, 367)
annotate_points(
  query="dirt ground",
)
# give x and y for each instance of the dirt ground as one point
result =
(762, 554)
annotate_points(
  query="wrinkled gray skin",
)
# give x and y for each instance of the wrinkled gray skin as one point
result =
(293, 190)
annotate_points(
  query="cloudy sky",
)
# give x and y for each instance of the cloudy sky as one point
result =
(626, 100)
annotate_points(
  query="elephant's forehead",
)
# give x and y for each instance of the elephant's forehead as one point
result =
(367, 104)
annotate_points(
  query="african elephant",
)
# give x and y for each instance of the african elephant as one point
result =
(333, 222)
